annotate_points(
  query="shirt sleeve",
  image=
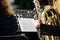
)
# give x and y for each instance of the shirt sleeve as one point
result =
(49, 30)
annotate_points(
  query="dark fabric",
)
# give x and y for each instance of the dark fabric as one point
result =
(8, 25)
(32, 35)
(14, 37)
(43, 2)
(49, 30)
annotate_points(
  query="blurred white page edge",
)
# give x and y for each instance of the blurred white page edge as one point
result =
(26, 21)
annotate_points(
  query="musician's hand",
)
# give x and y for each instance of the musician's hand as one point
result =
(35, 17)
(37, 24)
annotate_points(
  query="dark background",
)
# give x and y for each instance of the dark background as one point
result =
(24, 4)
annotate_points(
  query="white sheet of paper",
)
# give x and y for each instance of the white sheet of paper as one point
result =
(27, 25)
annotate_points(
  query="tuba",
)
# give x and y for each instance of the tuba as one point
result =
(50, 16)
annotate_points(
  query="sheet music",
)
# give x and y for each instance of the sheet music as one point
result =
(27, 25)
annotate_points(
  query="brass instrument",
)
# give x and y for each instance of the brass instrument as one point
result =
(37, 6)
(50, 20)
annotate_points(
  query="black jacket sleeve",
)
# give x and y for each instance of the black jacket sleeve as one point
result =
(8, 26)
(49, 30)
